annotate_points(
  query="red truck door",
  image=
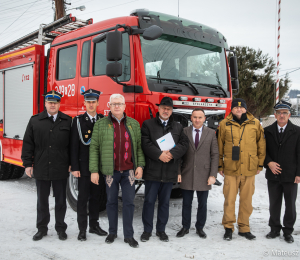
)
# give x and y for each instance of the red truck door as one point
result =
(84, 72)
(65, 75)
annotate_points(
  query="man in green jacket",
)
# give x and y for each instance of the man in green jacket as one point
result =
(116, 152)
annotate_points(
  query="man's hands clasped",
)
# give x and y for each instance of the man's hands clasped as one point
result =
(165, 156)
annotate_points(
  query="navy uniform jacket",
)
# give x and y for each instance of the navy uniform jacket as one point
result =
(79, 152)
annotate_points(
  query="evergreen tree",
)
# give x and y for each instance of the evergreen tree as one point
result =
(257, 80)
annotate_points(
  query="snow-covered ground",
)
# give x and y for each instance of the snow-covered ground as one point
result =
(18, 216)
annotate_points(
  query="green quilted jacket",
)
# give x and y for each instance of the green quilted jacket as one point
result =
(102, 145)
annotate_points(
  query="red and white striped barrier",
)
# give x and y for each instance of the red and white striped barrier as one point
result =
(278, 53)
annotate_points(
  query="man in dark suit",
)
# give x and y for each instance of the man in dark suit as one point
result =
(161, 169)
(89, 192)
(45, 156)
(198, 171)
(283, 170)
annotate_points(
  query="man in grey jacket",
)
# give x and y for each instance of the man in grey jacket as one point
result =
(198, 171)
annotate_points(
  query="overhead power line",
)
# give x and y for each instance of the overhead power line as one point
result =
(112, 7)
(289, 72)
(16, 7)
(18, 17)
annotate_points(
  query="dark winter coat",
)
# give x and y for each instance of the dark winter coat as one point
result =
(46, 146)
(156, 170)
(79, 153)
(286, 154)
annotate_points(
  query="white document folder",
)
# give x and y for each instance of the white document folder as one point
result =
(166, 142)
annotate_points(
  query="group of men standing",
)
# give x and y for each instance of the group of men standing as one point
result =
(117, 149)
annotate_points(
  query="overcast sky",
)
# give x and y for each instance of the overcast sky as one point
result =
(243, 22)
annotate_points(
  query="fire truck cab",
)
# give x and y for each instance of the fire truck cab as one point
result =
(144, 56)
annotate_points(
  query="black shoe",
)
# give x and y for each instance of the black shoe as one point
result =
(218, 183)
(182, 232)
(162, 236)
(132, 242)
(228, 234)
(39, 235)
(201, 233)
(145, 236)
(82, 236)
(272, 234)
(247, 235)
(288, 238)
(62, 235)
(110, 238)
(98, 230)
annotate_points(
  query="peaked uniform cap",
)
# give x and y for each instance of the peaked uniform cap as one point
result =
(91, 95)
(52, 96)
(283, 105)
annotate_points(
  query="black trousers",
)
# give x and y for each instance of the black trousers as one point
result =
(154, 190)
(88, 193)
(43, 214)
(276, 191)
(187, 201)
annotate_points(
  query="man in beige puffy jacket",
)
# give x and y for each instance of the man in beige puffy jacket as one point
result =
(242, 150)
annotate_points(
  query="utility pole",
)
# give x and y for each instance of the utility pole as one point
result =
(59, 9)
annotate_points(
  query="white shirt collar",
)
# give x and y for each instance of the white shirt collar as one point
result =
(162, 121)
(201, 128)
(91, 117)
(54, 116)
(278, 127)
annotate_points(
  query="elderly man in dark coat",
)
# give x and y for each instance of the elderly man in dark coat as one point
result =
(161, 169)
(283, 170)
(198, 171)
(45, 156)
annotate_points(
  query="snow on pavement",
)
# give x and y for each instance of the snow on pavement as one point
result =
(18, 217)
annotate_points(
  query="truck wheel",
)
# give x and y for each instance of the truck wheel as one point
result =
(176, 193)
(72, 192)
(6, 170)
(17, 172)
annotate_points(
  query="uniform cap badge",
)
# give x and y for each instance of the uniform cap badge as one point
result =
(239, 104)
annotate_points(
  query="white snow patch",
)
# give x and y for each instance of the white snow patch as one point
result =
(18, 217)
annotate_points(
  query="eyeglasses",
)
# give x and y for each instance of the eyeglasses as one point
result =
(116, 104)
(282, 113)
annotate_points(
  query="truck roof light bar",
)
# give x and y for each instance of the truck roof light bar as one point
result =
(46, 33)
(222, 101)
(210, 100)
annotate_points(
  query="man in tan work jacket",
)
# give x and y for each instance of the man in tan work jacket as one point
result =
(242, 150)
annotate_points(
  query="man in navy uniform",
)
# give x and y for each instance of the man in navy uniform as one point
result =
(45, 156)
(283, 170)
(81, 133)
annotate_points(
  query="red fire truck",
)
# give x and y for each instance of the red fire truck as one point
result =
(144, 56)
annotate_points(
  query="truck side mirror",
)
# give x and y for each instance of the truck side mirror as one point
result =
(235, 86)
(114, 46)
(114, 69)
(233, 67)
(152, 33)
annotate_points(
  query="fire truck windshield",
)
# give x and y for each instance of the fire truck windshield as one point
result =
(183, 66)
